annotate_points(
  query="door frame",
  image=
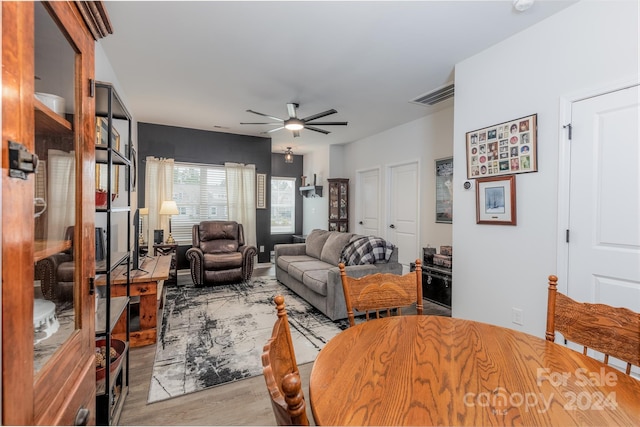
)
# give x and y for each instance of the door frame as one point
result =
(564, 167)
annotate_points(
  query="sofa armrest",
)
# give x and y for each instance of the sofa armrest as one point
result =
(289, 249)
(196, 263)
(248, 255)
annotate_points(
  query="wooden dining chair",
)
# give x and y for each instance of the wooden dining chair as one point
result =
(281, 373)
(384, 294)
(613, 331)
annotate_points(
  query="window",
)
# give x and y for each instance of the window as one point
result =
(283, 205)
(200, 191)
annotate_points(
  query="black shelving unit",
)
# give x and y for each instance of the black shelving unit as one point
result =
(110, 310)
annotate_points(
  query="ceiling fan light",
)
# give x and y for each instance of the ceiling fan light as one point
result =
(294, 124)
(288, 155)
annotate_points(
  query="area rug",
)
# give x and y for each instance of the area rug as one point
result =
(215, 334)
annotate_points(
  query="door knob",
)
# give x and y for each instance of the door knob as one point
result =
(360, 223)
(392, 226)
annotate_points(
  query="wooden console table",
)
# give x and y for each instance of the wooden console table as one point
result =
(144, 284)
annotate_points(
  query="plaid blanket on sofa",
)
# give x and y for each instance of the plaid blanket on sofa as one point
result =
(366, 250)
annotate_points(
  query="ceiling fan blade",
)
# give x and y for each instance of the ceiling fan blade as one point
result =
(296, 133)
(319, 115)
(317, 129)
(291, 109)
(273, 130)
(265, 115)
(246, 123)
(327, 123)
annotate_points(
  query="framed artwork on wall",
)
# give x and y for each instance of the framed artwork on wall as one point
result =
(444, 190)
(496, 200)
(261, 190)
(504, 149)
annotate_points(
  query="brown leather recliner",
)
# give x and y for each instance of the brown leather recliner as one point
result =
(219, 253)
(56, 273)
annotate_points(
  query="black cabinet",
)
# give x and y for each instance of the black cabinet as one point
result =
(436, 284)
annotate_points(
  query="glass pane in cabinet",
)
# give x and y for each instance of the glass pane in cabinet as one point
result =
(343, 201)
(55, 189)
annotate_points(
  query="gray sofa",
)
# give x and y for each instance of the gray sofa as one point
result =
(311, 269)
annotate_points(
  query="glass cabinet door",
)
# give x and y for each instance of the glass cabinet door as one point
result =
(55, 283)
(47, 216)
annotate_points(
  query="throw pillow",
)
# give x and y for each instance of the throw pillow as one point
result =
(333, 247)
(315, 241)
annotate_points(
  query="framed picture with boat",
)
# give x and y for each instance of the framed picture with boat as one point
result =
(496, 200)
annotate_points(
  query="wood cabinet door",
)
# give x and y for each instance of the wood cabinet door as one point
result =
(48, 368)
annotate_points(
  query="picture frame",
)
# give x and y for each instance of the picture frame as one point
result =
(102, 132)
(444, 190)
(261, 190)
(132, 179)
(504, 149)
(496, 200)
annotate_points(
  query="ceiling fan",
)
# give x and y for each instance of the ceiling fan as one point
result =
(295, 124)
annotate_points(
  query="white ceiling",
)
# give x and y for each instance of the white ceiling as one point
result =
(202, 64)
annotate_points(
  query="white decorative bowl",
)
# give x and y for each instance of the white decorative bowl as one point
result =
(55, 102)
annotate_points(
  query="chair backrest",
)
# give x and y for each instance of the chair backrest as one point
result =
(382, 293)
(281, 373)
(613, 331)
(218, 236)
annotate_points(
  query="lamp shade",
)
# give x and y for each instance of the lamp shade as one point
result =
(169, 207)
(144, 211)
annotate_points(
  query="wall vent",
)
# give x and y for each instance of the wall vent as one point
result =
(435, 96)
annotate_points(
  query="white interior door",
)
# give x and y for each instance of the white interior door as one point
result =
(604, 200)
(403, 211)
(368, 202)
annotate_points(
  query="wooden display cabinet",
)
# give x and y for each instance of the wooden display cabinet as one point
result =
(48, 373)
(339, 204)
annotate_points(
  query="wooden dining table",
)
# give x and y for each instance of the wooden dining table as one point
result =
(433, 370)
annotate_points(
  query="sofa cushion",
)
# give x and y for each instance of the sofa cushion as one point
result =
(315, 241)
(222, 261)
(316, 280)
(333, 247)
(298, 269)
(285, 260)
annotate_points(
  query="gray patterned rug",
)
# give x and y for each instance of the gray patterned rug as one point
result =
(215, 335)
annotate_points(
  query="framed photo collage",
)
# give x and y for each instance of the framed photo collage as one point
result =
(503, 149)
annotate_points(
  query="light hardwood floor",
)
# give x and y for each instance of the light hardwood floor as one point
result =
(244, 402)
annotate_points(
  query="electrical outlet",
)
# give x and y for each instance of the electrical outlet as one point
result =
(516, 316)
(261, 248)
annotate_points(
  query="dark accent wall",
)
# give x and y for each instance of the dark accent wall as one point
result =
(287, 170)
(215, 148)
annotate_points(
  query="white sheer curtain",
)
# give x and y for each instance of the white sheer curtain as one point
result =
(241, 198)
(61, 193)
(158, 187)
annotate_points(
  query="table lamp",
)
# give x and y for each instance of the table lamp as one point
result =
(169, 207)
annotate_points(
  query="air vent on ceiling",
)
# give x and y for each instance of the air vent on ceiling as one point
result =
(435, 96)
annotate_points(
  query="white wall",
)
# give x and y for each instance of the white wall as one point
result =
(426, 139)
(587, 45)
(315, 210)
(105, 73)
